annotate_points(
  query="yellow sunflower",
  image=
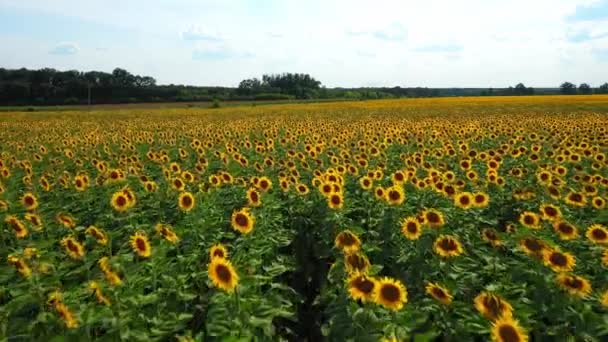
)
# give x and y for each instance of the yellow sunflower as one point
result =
(574, 285)
(243, 221)
(347, 242)
(74, 248)
(463, 200)
(335, 200)
(411, 228)
(17, 226)
(96, 289)
(66, 315)
(361, 287)
(29, 201)
(550, 212)
(598, 234)
(120, 201)
(490, 236)
(439, 293)
(390, 293)
(533, 246)
(576, 199)
(20, 265)
(222, 274)
(559, 261)
(605, 258)
(492, 306)
(253, 198)
(447, 246)
(565, 230)
(395, 195)
(366, 183)
(506, 329)
(218, 251)
(530, 220)
(356, 263)
(141, 245)
(481, 200)
(604, 299)
(167, 233)
(186, 201)
(433, 218)
(98, 234)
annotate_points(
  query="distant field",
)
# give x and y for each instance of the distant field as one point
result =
(454, 219)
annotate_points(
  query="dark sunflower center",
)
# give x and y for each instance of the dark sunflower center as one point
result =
(218, 253)
(480, 198)
(576, 197)
(29, 200)
(412, 227)
(335, 199)
(390, 293)
(178, 183)
(121, 201)
(141, 244)
(398, 176)
(599, 234)
(448, 245)
(439, 293)
(433, 217)
(465, 200)
(533, 245)
(254, 197)
(379, 192)
(558, 259)
(347, 239)
(574, 283)
(223, 273)
(565, 228)
(241, 220)
(364, 285)
(493, 305)
(508, 333)
(72, 246)
(394, 195)
(529, 220)
(550, 211)
(356, 261)
(490, 235)
(187, 201)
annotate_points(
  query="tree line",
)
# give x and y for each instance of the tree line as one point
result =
(53, 87)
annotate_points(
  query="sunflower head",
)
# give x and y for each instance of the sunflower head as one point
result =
(222, 274)
(74, 249)
(433, 218)
(598, 234)
(565, 230)
(550, 212)
(186, 201)
(347, 242)
(361, 287)
(335, 200)
(395, 195)
(530, 220)
(242, 221)
(559, 261)
(218, 251)
(439, 293)
(141, 245)
(447, 246)
(490, 236)
(390, 293)
(506, 329)
(356, 262)
(411, 228)
(492, 306)
(574, 285)
(29, 201)
(463, 200)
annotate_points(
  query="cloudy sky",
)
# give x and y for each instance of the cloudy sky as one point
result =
(466, 43)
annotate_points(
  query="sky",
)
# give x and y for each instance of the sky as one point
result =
(348, 43)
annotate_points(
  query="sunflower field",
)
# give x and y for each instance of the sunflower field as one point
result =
(459, 219)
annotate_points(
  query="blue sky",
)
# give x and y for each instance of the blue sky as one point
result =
(467, 43)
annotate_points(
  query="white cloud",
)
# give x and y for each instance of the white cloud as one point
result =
(198, 32)
(65, 48)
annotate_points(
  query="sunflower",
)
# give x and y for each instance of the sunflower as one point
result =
(20, 265)
(559, 261)
(167, 233)
(222, 274)
(439, 293)
(218, 251)
(433, 218)
(243, 221)
(492, 306)
(576, 199)
(447, 246)
(119, 201)
(347, 242)
(98, 234)
(598, 234)
(186, 201)
(598, 202)
(66, 315)
(140, 244)
(3, 205)
(605, 258)
(506, 329)
(463, 200)
(150, 186)
(361, 287)
(29, 201)
(480, 200)
(395, 195)
(565, 230)
(335, 201)
(356, 262)
(550, 212)
(604, 299)
(178, 184)
(533, 246)
(530, 220)
(411, 228)
(264, 183)
(490, 236)
(74, 249)
(253, 197)
(17, 226)
(96, 289)
(302, 189)
(574, 285)
(380, 193)
(390, 293)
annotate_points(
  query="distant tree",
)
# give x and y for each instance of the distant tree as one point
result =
(584, 89)
(122, 78)
(603, 89)
(567, 88)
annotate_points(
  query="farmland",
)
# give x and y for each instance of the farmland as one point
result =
(458, 218)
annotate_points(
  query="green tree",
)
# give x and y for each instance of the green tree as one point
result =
(584, 89)
(603, 89)
(568, 88)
